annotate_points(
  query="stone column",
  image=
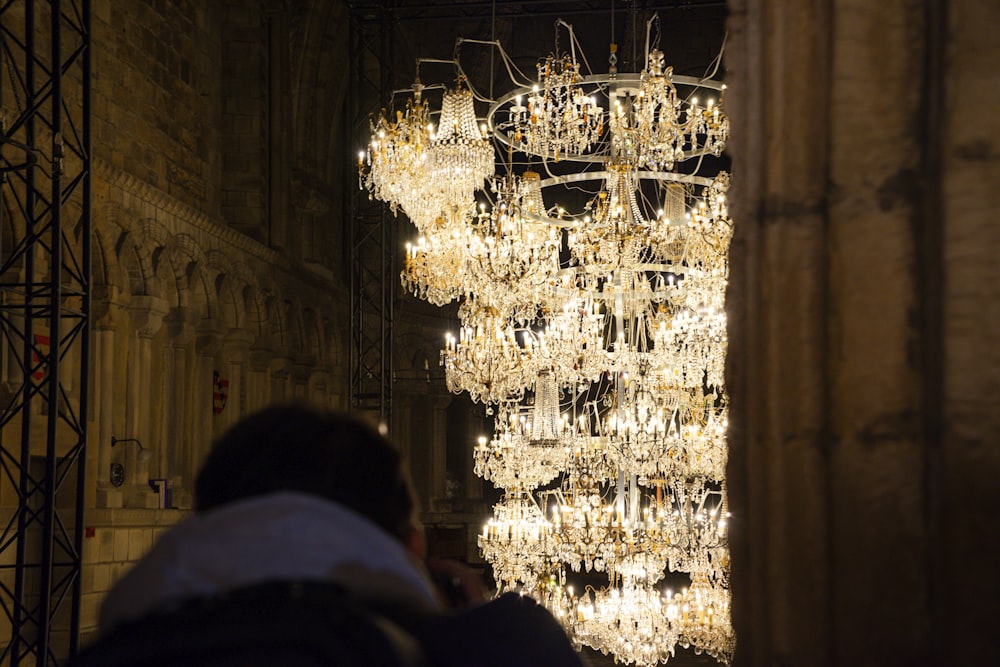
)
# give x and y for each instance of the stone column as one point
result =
(279, 374)
(235, 353)
(176, 438)
(108, 317)
(473, 483)
(208, 344)
(863, 320)
(401, 429)
(438, 444)
(146, 313)
(410, 428)
(320, 390)
(258, 379)
(300, 383)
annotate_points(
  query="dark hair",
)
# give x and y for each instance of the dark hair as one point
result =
(333, 455)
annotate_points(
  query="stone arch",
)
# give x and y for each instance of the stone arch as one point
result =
(104, 261)
(201, 297)
(420, 361)
(333, 339)
(277, 326)
(135, 263)
(313, 89)
(73, 212)
(244, 282)
(183, 257)
(226, 290)
(422, 350)
(263, 317)
(158, 240)
(256, 312)
(109, 232)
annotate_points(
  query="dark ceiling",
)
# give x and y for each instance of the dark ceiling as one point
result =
(692, 32)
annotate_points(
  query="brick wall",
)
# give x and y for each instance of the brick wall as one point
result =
(157, 97)
(115, 539)
(244, 117)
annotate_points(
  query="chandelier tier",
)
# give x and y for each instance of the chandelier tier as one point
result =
(461, 156)
(560, 118)
(592, 308)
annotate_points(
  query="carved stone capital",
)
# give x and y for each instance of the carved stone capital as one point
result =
(106, 314)
(180, 324)
(300, 373)
(208, 339)
(146, 313)
(280, 366)
(108, 307)
(260, 359)
(236, 343)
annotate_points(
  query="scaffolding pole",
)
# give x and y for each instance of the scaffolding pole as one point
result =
(45, 233)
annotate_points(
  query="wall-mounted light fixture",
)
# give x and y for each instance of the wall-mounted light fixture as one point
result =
(144, 453)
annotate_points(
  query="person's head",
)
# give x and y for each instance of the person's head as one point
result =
(333, 455)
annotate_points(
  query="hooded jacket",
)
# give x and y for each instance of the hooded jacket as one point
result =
(282, 536)
(291, 536)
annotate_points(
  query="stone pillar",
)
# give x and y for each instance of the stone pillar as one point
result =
(863, 361)
(316, 381)
(146, 313)
(175, 433)
(401, 429)
(279, 373)
(108, 318)
(473, 482)
(258, 379)
(300, 383)
(419, 429)
(438, 443)
(208, 344)
(235, 354)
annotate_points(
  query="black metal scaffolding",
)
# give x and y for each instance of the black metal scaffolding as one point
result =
(45, 232)
(372, 237)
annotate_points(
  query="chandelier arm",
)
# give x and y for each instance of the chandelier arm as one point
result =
(475, 93)
(411, 89)
(509, 63)
(440, 61)
(573, 44)
(656, 42)
(718, 59)
(461, 73)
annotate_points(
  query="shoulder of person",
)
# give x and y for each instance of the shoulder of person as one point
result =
(508, 630)
(289, 623)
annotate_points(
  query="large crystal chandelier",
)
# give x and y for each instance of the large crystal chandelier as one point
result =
(591, 293)
(461, 157)
(396, 157)
(560, 119)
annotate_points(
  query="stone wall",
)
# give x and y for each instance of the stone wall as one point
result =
(219, 241)
(194, 278)
(157, 103)
(861, 369)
